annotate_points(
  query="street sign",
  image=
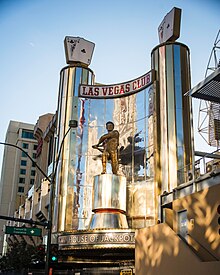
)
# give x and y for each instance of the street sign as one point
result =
(13, 230)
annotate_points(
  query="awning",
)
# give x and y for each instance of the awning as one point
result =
(208, 89)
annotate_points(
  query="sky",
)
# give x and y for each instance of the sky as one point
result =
(124, 33)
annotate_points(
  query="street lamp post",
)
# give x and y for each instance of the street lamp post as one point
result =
(72, 124)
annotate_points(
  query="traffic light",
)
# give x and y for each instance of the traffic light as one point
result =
(54, 258)
(54, 253)
(41, 252)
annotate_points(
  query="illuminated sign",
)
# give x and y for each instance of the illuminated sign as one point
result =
(169, 29)
(101, 238)
(117, 90)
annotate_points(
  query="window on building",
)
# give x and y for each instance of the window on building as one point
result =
(27, 134)
(20, 189)
(31, 181)
(35, 146)
(33, 164)
(33, 172)
(34, 155)
(25, 145)
(23, 155)
(23, 171)
(23, 163)
(21, 180)
(50, 152)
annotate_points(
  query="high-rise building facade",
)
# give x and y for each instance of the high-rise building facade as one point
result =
(18, 171)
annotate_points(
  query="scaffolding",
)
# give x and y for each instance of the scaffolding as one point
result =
(209, 112)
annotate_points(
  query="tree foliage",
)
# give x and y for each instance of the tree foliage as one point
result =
(20, 256)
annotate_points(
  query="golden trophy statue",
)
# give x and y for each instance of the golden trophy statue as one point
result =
(108, 145)
(109, 190)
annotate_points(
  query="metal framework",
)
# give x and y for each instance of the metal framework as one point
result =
(209, 112)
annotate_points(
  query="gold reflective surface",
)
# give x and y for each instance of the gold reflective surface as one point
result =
(108, 220)
(108, 146)
(109, 192)
(174, 135)
(153, 143)
(133, 118)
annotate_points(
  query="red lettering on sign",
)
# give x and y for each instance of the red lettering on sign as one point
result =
(90, 91)
(122, 91)
(104, 90)
(84, 91)
(116, 90)
(127, 88)
(96, 92)
(110, 91)
(134, 85)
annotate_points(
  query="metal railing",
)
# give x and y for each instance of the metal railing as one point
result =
(207, 163)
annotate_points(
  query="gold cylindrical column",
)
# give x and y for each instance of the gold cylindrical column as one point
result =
(173, 111)
(69, 209)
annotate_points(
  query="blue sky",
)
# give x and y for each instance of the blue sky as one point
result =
(124, 31)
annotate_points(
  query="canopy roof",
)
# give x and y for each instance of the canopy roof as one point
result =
(208, 89)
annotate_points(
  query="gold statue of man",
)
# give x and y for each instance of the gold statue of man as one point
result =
(108, 145)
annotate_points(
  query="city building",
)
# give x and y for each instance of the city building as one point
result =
(160, 210)
(18, 171)
(44, 134)
(32, 198)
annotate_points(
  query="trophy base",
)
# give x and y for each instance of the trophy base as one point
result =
(109, 202)
(108, 221)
